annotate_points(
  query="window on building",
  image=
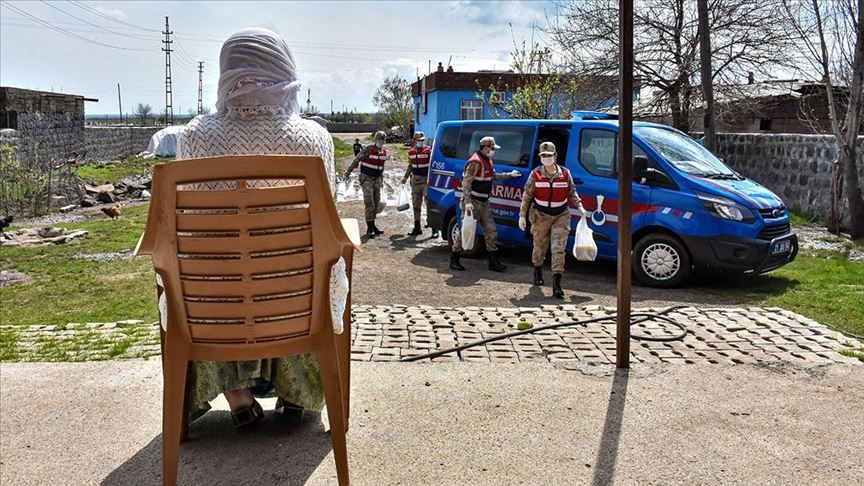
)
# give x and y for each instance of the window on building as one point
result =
(515, 142)
(497, 97)
(765, 124)
(471, 110)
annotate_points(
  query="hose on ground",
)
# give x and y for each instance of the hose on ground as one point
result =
(642, 317)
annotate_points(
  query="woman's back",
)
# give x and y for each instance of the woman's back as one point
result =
(276, 134)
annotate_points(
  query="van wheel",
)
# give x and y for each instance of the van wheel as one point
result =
(660, 260)
(453, 233)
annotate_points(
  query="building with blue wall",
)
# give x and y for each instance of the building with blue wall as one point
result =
(448, 95)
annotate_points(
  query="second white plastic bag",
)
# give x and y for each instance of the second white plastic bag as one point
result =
(584, 247)
(469, 229)
(403, 202)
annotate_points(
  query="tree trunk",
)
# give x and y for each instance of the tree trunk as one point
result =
(849, 152)
(679, 117)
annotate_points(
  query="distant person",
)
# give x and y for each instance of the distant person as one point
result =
(440, 68)
(371, 161)
(257, 113)
(476, 189)
(357, 146)
(449, 69)
(418, 172)
(549, 193)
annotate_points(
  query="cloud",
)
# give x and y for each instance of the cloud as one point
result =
(524, 14)
(112, 12)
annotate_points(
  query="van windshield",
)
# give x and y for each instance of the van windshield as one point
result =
(685, 154)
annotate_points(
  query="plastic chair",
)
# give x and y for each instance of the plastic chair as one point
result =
(246, 272)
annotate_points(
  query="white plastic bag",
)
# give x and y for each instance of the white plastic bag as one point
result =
(584, 248)
(403, 202)
(469, 229)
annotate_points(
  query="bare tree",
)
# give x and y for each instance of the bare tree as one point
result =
(745, 37)
(832, 42)
(393, 99)
(143, 112)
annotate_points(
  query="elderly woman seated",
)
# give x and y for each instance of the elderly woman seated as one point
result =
(257, 113)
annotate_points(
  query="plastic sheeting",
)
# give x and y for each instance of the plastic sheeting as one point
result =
(164, 142)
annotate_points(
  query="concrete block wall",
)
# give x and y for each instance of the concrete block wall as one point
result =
(45, 138)
(108, 143)
(796, 167)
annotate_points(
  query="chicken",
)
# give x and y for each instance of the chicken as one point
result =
(112, 211)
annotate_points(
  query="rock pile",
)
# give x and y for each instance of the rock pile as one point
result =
(129, 188)
(41, 236)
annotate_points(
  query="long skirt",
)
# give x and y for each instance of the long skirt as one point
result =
(296, 379)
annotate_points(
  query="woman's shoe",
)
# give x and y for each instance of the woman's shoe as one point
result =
(288, 410)
(248, 415)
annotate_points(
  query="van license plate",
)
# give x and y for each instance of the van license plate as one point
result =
(781, 246)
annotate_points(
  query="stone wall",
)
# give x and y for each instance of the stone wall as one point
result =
(108, 143)
(795, 167)
(353, 127)
(43, 138)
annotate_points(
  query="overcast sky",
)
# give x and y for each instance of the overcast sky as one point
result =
(343, 49)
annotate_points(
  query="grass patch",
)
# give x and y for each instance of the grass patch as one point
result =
(9, 345)
(106, 172)
(341, 149)
(65, 289)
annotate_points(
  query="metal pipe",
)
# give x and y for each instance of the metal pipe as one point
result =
(625, 180)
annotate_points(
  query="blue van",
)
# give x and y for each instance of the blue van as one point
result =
(690, 211)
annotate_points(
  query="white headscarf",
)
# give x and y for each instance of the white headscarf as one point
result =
(258, 75)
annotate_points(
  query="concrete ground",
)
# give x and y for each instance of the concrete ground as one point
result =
(459, 423)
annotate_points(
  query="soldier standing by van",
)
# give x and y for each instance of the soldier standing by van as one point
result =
(477, 180)
(371, 161)
(550, 193)
(418, 171)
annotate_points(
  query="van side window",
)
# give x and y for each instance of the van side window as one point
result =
(598, 152)
(449, 138)
(515, 142)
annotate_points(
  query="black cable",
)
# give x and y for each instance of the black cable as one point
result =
(645, 316)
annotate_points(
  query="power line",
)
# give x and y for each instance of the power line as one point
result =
(66, 32)
(106, 16)
(90, 23)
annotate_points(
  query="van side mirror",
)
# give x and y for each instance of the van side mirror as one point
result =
(640, 169)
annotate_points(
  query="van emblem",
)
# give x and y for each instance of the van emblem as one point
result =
(598, 217)
(776, 213)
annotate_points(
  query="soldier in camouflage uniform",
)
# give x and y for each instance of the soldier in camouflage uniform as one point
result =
(549, 192)
(371, 161)
(418, 170)
(476, 189)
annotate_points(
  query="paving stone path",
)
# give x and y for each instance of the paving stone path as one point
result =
(728, 336)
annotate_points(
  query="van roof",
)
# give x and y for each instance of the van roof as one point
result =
(613, 123)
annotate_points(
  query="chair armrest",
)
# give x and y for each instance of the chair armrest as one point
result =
(352, 229)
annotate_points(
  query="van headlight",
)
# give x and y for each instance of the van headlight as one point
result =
(726, 208)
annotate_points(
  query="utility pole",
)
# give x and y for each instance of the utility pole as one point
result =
(309, 100)
(119, 103)
(200, 87)
(331, 106)
(707, 74)
(625, 181)
(169, 96)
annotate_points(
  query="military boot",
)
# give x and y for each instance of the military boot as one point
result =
(370, 229)
(375, 229)
(557, 291)
(416, 231)
(495, 263)
(454, 261)
(538, 275)
(434, 233)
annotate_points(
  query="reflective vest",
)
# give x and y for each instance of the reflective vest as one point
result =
(419, 161)
(551, 194)
(481, 188)
(373, 166)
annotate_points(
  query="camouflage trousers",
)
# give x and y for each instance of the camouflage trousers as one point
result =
(371, 194)
(483, 215)
(545, 227)
(418, 194)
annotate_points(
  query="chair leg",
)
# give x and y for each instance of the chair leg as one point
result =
(184, 427)
(328, 360)
(173, 405)
(343, 347)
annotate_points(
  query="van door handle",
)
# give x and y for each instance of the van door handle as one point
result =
(578, 181)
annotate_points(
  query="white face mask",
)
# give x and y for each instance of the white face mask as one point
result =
(547, 161)
(419, 144)
(379, 144)
(491, 153)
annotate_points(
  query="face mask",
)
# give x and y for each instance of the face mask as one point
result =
(379, 144)
(547, 161)
(491, 153)
(419, 145)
